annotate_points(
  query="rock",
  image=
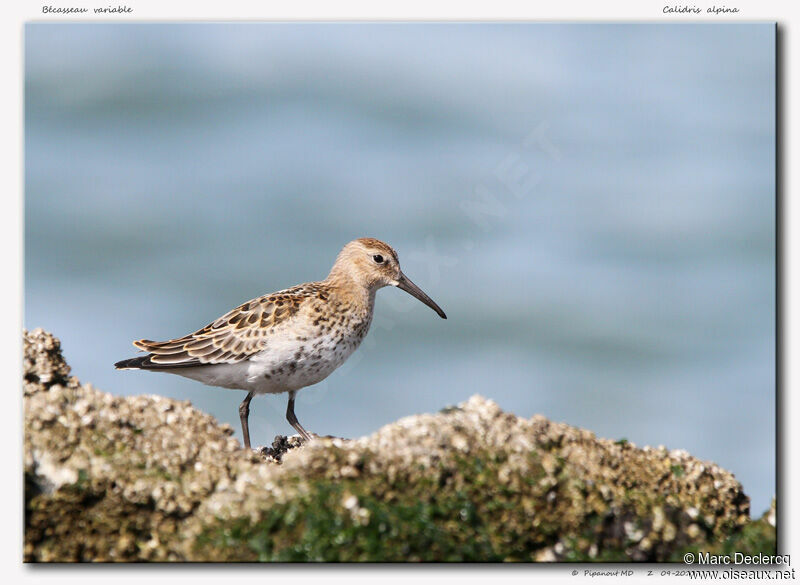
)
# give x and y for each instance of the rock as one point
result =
(280, 446)
(148, 478)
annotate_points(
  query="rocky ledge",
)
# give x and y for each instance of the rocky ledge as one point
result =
(147, 478)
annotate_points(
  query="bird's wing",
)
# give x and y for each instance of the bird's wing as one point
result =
(236, 335)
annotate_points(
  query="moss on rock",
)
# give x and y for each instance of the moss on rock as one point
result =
(147, 478)
(756, 537)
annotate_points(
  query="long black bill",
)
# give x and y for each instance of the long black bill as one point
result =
(405, 284)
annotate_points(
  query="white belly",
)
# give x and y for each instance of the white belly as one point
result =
(293, 364)
(222, 375)
(287, 364)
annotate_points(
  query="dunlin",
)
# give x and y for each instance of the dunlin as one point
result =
(289, 339)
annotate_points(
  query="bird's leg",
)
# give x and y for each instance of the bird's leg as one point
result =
(244, 413)
(290, 416)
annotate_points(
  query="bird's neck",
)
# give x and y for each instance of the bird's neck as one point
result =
(350, 292)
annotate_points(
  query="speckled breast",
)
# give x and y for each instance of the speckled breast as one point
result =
(307, 354)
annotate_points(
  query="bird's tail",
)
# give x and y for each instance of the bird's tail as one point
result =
(136, 363)
(145, 362)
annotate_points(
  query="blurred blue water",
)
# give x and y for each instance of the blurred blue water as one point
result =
(592, 205)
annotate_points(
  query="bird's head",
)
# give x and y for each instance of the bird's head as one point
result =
(373, 264)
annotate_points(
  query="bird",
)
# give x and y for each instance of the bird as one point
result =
(289, 339)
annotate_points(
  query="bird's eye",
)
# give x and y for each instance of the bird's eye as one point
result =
(378, 259)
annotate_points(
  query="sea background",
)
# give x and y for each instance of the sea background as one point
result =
(593, 205)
